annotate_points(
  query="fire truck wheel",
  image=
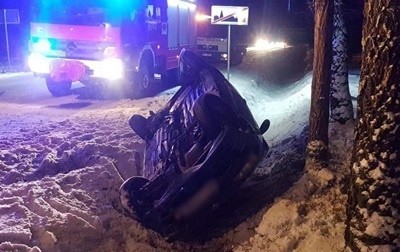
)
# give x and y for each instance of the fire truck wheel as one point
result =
(58, 88)
(143, 80)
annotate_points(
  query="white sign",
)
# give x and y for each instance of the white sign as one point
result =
(229, 15)
(9, 16)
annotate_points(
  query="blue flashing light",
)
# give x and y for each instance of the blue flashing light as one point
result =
(88, 12)
(43, 45)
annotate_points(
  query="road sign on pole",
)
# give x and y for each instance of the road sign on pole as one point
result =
(229, 15)
(9, 16)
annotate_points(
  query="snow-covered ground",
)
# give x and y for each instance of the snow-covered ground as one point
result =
(11, 75)
(59, 183)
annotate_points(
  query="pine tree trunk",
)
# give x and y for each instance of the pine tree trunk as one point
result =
(340, 100)
(319, 114)
(373, 211)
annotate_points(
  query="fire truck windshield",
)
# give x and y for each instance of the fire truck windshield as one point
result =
(89, 13)
(209, 30)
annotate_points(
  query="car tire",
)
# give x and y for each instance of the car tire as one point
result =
(181, 68)
(264, 126)
(213, 113)
(138, 124)
(58, 88)
(189, 60)
(130, 195)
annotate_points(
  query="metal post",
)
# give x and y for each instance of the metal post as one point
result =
(6, 33)
(229, 51)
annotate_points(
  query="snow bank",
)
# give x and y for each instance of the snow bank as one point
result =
(59, 182)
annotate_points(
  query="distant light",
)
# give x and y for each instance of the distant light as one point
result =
(224, 55)
(265, 45)
(202, 17)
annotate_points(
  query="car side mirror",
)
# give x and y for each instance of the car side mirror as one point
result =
(265, 126)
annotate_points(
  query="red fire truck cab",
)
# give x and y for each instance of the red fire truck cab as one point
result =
(115, 41)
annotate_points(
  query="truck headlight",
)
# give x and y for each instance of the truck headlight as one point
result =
(41, 45)
(38, 63)
(112, 69)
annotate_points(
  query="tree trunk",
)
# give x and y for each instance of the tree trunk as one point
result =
(319, 114)
(373, 211)
(340, 100)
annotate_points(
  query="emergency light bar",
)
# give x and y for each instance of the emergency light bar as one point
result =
(188, 4)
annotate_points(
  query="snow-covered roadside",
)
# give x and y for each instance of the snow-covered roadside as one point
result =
(12, 75)
(58, 181)
(310, 216)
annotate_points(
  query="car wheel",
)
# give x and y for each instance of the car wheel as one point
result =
(58, 88)
(213, 113)
(189, 68)
(190, 60)
(130, 196)
(181, 68)
(264, 126)
(139, 125)
(194, 153)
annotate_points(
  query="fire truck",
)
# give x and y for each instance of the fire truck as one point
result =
(104, 41)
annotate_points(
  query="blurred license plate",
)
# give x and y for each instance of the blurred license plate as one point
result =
(206, 54)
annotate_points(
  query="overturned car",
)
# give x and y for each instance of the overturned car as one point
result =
(199, 148)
